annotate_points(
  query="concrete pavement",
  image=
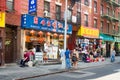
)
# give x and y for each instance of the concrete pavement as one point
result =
(13, 71)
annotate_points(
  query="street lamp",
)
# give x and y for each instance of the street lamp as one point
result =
(65, 28)
(65, 35)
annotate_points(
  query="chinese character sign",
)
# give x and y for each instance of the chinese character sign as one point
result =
(2, 19)
(32, 6)
(88, 32)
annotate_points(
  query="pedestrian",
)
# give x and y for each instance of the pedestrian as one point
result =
(62, 58)
(25, 59)
(67, 58)
(113, 55)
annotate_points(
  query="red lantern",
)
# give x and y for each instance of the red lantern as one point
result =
(68, 36)
(32, 32)
(55, 35)
(60, 36)
(48, 34)
(40, 33)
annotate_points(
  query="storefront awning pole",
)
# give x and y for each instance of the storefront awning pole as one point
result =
(65, 28)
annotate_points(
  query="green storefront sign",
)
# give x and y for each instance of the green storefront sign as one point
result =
(106, 37)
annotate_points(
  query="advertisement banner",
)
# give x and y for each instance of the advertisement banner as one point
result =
(32, 6)
(88, 32)
(2, 19)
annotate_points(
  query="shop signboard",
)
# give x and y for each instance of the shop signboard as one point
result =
(2, 19)
(44, 24)
(32, 6)
(39, 56)
(88, 32)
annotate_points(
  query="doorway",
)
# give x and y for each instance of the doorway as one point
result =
(10, 44)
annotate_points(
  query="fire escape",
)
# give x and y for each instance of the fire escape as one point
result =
(111, 16)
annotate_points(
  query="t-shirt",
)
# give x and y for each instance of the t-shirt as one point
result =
(27, 55)
(67, 54)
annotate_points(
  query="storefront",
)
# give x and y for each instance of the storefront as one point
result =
(88, 37)
(117, 45)
(43, 33)
(107, 42)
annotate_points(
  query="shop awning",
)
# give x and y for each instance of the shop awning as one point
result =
(106, 37)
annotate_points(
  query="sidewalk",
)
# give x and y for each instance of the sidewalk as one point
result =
(13, 71)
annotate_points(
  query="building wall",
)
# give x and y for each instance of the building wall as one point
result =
(96, 15)
(105, 4)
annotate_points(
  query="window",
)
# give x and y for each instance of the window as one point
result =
(108, 27)
(10, 5)
(101, 11)
(95, 7)
(95, 23)
(58, 12)
(118, 29)
(86, 20)
(101, 27)
(113, 27)
(69, 15)
(47, 9)
(108, 10)
(46, 6)
(86, 2)
(113, 13)
(78, 17)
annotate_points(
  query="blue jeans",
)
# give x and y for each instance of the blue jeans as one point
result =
(112, 58)
(68, 64)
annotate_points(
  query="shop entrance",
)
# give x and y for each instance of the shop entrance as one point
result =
(10, 44)
(108, 48)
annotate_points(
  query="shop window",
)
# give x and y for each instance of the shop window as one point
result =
(10, 5)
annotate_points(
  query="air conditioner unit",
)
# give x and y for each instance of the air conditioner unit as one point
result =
(47, 14)
(74, 19)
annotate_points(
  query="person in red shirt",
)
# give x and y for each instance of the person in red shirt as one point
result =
(25, 59)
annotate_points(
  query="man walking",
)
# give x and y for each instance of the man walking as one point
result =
(67, 58)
